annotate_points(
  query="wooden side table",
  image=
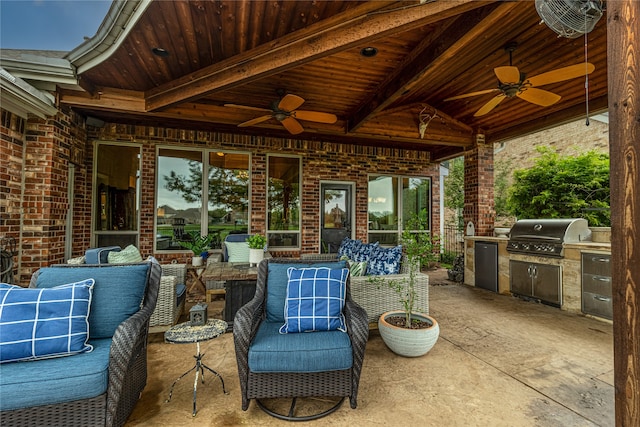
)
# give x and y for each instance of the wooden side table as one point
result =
(184, 333)
(195, 274)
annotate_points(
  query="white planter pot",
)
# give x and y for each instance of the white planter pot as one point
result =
(409, 342)
(196, 261)
(255, 256)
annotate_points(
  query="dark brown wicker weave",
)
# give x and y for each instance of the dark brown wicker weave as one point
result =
(127, 374)
(321, 384)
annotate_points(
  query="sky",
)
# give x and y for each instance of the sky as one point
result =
(49, 24)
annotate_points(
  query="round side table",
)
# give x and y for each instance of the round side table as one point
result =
(184, 333)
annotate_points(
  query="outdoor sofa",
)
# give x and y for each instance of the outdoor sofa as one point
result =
(371, 289)
(91, 388)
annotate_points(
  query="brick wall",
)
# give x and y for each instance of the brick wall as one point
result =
(478, 189)
(321, 161)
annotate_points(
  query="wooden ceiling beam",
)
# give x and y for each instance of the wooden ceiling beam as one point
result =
(107, 99)
(451, 40)
(325, 38)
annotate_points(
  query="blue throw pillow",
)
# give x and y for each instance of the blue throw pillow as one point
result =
(384, 261)
(42, 323)
(315, 299)
(362, 252)
(347, 247)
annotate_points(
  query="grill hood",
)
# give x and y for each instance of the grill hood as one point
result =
(547, 236)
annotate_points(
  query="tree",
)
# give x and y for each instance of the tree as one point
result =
(454, 189)
(563, 187)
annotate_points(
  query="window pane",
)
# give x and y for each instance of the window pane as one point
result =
(283, 182)
(179, 197)
(117, 180)
(228, 194)
(416, 202)
(383, 209)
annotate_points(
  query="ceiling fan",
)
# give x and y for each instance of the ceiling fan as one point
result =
(512, 82)
(286, 112)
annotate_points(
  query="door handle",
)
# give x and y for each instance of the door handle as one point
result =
(599, 298)
(602, 279)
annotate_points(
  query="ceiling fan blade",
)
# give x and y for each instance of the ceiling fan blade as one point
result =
(562, 74)
(507, 74)
(292, 125)
(290, 102)
(246, 107)
(540, 97)
(490, 105)
(467, 95)
(255, 121)
(314, 116)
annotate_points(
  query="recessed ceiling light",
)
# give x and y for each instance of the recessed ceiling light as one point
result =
(160, 52)
(369, 51)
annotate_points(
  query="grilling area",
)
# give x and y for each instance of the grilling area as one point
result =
(558, 262)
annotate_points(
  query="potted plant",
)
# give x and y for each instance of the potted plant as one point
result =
(406, 332)
(257, 246)
(198, 245)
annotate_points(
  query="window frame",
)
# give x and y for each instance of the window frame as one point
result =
(397, 233)
(270, 232)
(204, 212)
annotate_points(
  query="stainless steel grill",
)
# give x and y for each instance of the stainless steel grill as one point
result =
(546, 237)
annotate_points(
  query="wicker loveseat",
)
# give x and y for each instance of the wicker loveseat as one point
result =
(292, 365)
(374, 294)
(96, 388)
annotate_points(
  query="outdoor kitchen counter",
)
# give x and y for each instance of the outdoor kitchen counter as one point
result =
(570, 263)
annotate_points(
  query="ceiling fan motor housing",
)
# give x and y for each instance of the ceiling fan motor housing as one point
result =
(570, 18)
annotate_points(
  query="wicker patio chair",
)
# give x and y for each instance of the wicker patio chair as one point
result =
(169, 308)
(126, 379)
(262, 385)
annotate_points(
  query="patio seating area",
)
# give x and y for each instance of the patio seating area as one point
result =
(499, 361)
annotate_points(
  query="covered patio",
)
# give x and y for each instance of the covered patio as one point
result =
(181, 75)
(499, 361)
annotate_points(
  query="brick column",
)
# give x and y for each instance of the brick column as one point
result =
(478, 187)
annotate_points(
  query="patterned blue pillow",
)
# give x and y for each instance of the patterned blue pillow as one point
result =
(37, 323)
(362, 252)
(384, 261)
(347, 247)
(315, 299)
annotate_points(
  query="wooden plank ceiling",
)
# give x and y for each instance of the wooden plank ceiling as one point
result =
(245, 51)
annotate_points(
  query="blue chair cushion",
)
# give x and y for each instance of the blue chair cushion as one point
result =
(117, 294)
(315, 300)
(44, 323)
(52, 381)
(322, 351)
(384, 261)
(277, 280)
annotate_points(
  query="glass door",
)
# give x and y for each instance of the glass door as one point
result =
(336, 216)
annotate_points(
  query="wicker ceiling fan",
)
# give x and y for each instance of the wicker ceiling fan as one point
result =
(512, 82)
(286, 112)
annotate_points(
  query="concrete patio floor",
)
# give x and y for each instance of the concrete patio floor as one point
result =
(499, 361)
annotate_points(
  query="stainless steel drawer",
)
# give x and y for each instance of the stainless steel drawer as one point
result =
(598, 264)
(596, 284)
(597, 305)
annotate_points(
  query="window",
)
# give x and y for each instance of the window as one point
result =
(283, 222)
(116, 201)
(180, 195)
(393, 201)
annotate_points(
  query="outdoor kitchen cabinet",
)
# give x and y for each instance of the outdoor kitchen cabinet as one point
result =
(539, 281)
(596, 285)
